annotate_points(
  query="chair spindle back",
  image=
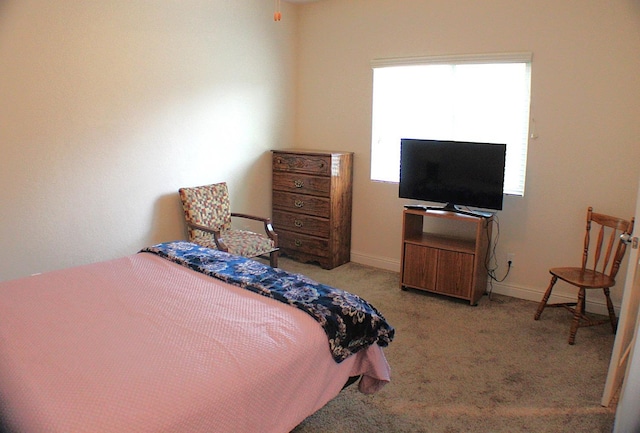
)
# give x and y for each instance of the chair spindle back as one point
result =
(610, 252)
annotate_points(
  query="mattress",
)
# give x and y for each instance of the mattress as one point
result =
(143, 344)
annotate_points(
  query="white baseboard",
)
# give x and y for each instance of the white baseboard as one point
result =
(376, 262)
(593, 306)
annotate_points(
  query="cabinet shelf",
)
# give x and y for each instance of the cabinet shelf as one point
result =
(438, 261)
(442, 242)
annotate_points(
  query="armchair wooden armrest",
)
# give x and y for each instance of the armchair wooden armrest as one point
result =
(268, 228)
(216, 235)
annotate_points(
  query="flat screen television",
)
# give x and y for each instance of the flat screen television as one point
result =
(456, 173)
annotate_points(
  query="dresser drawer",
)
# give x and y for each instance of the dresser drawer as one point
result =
(303, 243)
(302, 163)
(300, 223)
(301, 203)
(302, 183)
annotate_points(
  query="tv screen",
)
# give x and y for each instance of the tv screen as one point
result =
(452, 172)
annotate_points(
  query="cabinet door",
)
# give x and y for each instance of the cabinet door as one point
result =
(420, 264)
(455, 273)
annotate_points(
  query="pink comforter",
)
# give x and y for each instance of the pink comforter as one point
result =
(140, 344)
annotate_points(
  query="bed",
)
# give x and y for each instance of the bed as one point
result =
(179, 338)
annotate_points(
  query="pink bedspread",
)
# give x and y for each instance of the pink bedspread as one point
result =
(142, 344)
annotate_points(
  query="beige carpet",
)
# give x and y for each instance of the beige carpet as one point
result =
(457, 368)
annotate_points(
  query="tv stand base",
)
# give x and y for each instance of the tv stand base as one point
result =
(450, 207)
(436, 261)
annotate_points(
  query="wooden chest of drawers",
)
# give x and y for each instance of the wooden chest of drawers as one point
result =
(312, 193)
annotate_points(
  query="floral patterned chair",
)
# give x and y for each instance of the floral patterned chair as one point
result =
(208, 217)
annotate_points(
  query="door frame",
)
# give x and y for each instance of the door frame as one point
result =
(629, 314)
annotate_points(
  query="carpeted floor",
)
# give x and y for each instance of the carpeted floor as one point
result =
(456, 368)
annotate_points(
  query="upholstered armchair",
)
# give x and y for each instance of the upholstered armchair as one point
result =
(208, 216)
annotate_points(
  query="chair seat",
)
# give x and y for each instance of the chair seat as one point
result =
(587, 278)
(240, 242)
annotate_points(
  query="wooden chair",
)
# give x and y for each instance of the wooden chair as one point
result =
(208, 217)
(597, 273)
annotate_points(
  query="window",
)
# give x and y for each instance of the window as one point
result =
(467, 98)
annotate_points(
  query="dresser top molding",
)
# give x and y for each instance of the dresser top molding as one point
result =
(312, 151)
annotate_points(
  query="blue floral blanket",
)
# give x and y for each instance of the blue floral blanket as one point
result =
(350, 322)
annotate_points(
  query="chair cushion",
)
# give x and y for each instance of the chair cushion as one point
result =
(240, 242)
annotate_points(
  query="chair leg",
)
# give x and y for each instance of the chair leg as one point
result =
(577, 315)
(612, 313)
(273, 259)
(545, 298)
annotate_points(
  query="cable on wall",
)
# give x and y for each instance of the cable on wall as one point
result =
(491, 262)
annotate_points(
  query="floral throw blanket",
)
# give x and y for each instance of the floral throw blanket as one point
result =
(350, 322)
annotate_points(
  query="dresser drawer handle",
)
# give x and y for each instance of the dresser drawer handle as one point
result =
(298, 203)
(298, 242)
(298, 183)
(298, 223)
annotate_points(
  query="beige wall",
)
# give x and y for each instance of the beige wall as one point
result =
(107, 108)
(585, 101)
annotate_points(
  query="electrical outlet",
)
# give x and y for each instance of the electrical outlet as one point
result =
(510, 258)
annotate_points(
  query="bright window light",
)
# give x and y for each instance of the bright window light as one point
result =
(470, 98)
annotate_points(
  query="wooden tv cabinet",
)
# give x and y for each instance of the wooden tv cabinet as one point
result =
(448, 260)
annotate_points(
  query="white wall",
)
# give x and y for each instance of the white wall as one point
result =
(585, 101)
(107, 108)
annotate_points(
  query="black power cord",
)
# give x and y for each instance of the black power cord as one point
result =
(491, 262)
